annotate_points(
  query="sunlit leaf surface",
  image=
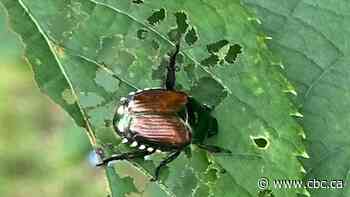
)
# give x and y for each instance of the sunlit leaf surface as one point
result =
(311, 37)
(87, 54)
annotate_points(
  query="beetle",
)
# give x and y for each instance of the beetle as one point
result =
(156, 119)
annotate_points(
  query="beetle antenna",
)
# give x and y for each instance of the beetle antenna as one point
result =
(171, 78)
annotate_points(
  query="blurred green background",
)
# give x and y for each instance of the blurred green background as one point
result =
(42, 152)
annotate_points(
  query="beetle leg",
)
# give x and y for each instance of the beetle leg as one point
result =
(213, 149)
(163, 163)
(123, 156)
(171, 78)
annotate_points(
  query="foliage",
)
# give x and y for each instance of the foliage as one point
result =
(311, 39)
(87, 54)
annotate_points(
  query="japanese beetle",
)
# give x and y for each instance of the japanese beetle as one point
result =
(156, 119)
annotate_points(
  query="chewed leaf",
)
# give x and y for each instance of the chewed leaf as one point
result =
(191, 36)
(313, 45)
(232, 53)
(92, 53)
(215, 47)
(157, 16)
(119, 186)
(138, 1)
(212, 60)
(181, 21)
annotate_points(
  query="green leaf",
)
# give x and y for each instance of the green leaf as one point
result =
(119, 186)
(87, 54)
(311, 37)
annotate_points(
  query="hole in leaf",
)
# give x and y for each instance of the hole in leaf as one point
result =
(142, 34)
(215, 47)
(212, 60)
(191, 36)
(156, 17)
(232, 53)
(181, 21)
(261, 142)
(138, 1)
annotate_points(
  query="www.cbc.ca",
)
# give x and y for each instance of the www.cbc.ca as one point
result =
(264, 183)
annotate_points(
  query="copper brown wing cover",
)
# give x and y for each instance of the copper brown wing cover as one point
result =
(155, 119)
(161, 129)
(157, 101)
